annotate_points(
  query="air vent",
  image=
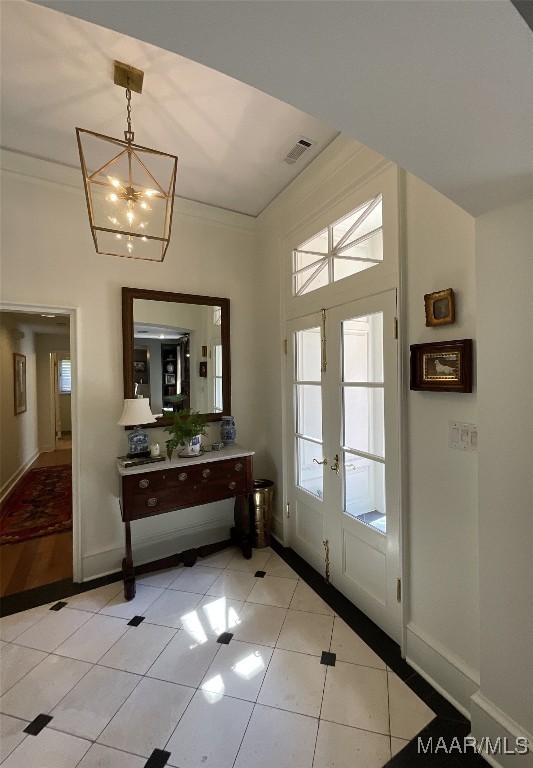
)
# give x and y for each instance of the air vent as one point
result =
(297, 151)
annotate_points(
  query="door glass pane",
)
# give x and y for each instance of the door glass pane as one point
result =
(303, 260)
(362, 348)
(317, 244)
(308, 358)
(364, 428)
(364, 496)
(369, 248)
(346, 267)
(311, 279)
(369, 217)
(309, 410)
(310, 475)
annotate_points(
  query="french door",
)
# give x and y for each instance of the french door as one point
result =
(344, 474)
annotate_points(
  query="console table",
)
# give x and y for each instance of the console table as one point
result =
(155, 489)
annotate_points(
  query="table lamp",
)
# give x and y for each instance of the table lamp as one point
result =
(136, 412)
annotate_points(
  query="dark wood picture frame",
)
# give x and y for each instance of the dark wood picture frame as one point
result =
(442, 366)
(440, 308)
(19, 383)
(202, 371)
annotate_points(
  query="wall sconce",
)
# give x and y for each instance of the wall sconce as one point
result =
(129, 188)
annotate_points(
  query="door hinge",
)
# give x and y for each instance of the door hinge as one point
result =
(288, 509)
(285, 345)
(326, 558)
(399, 590)
(395, 328)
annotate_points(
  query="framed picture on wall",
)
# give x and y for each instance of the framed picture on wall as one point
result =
(203, 369)
(440, 308)
(170, 378)
(19, 370)
(442, 366)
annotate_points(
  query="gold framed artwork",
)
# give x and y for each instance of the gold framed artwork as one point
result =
(442, 366)
(440, 307)
(19, 371)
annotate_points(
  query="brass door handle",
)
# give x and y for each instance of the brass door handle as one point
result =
(335, 465)
(320, 462)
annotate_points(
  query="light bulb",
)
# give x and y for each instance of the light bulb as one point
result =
(119, 237)
(129, 246)
(114, 182)
(144, 239)
(112, 197)
(130, 216)
(150, 192)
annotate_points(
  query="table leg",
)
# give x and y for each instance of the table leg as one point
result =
(128, 571)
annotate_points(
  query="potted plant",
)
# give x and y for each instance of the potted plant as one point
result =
(186, 430)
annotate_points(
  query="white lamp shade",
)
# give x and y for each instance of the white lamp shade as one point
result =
(136, 411)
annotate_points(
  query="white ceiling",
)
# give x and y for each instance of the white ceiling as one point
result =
(442, 87)
(36, 322)
(57, 73)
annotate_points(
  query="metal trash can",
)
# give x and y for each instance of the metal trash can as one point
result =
(263, 497)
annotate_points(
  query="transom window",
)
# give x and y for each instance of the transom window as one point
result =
(350, 245)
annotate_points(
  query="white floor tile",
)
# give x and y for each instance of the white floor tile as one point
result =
(219, 559)
(91, 704)
(196, 579)
(148, 718)
(11, 734)
(306, 599)
(277, 739)
(127, 609)
(259, 623)
(408, 713)
(294, 681)
(238, 670)
(356, 696)
(94, 638)
(15, 662)
(271, 590)
(397, 745)
(213, 616)
(161, 579)
(349, 647)
(185, 660)
(169, 609)
(107, 757)
(339, 746)
(276, 566)
(95, 599)
(53, 629)
(255, 563)
(209, 733)
(306, 632)
(44, 687)
(236, 585)
(138, 648)
(49, 749)
(14, 625)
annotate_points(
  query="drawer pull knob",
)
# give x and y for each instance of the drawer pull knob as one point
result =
(233, 485)
(238, 467)
(152, 502)
(144, 483)
(182, 476)
(206, 472)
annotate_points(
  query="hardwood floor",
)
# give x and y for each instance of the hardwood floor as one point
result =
(33, 563)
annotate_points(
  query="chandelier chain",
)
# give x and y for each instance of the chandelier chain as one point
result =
(129, 133)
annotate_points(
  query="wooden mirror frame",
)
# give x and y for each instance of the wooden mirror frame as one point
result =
(128, 297)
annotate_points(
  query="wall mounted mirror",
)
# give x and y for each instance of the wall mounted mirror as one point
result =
(176, 352)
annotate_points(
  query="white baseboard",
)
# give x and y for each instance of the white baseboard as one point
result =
(445, 672)
(488, 721)
(150, 548)
(15, 477)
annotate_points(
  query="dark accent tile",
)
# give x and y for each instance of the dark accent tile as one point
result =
(136, 621)
(260, 574)
(37, 725)
(158, 759)
(57, 606)
(225, 638)
(328, 658)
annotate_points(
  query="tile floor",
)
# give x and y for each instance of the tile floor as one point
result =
(233, 663)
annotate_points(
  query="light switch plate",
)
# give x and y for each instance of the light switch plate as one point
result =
(461, 436)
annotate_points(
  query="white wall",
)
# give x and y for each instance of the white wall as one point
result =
(443, 630)
(45, 344)
(18, 435)
(53, 262)
(504, 276)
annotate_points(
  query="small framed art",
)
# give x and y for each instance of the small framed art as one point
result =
(19, 370)
(203, 369)
(440, 308)
(442, 366)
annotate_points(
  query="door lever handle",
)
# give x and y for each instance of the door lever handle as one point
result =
(335, 465)
(316, 461)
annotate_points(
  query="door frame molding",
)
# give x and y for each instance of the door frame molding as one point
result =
(73, 314)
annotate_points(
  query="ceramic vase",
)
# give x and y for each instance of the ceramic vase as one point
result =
(228, 433)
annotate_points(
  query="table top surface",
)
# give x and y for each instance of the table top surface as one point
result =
(229, 452)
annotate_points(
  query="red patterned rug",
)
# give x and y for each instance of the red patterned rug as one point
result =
(40, 504)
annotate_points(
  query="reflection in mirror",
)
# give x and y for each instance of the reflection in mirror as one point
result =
(176, 352)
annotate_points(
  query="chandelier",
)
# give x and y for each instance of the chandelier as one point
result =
(129, 188)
